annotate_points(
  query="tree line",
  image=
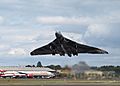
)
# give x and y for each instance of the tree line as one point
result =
(59, 67)
(116, 69)
(55, 67)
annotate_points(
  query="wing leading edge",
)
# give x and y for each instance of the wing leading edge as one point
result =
(81, 48)
(47, 49)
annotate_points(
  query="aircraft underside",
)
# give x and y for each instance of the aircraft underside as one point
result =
(62, 46)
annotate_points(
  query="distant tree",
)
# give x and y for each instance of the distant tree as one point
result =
(51, 66)
(94, 67)
(28, 66)
(110, 68)
(33, 65)
(58, 67)
(55, 67)
(66, 67)
(39, 64)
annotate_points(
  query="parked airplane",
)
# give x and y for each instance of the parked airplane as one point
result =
(26, 74)
(38, 74)
(62, 46)
(11, 74)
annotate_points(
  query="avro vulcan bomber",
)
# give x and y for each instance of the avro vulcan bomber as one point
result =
(62, 46)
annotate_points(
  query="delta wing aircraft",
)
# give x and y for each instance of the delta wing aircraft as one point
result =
(62, 45)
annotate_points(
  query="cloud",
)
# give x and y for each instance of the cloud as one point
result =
(74, 36)
(19, 41)
(62, 20)
(104, 28)
(82, 20)
(9, 1)
(4, 46)
(17, 51)
(97, 30)
(103, 34)
(1, 19)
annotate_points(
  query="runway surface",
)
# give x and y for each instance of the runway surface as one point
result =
(56, 82)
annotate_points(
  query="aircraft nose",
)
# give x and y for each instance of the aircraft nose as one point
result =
(56, 34)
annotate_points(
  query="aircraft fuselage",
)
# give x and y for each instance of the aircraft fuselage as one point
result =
(61, 42)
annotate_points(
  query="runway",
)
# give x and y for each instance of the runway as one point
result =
(56, 82)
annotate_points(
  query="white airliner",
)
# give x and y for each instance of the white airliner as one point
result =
(38, 74)
(26, 74)
(11, 74)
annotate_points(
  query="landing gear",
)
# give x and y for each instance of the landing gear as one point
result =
(69, 54)
(53, 53)
(75, 51)
(62, 54)
(75, 54)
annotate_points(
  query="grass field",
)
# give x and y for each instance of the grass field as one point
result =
(56, 82)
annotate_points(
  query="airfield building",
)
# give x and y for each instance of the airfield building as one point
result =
(93, 74)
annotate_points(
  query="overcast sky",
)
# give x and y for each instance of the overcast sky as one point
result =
(29, 24)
